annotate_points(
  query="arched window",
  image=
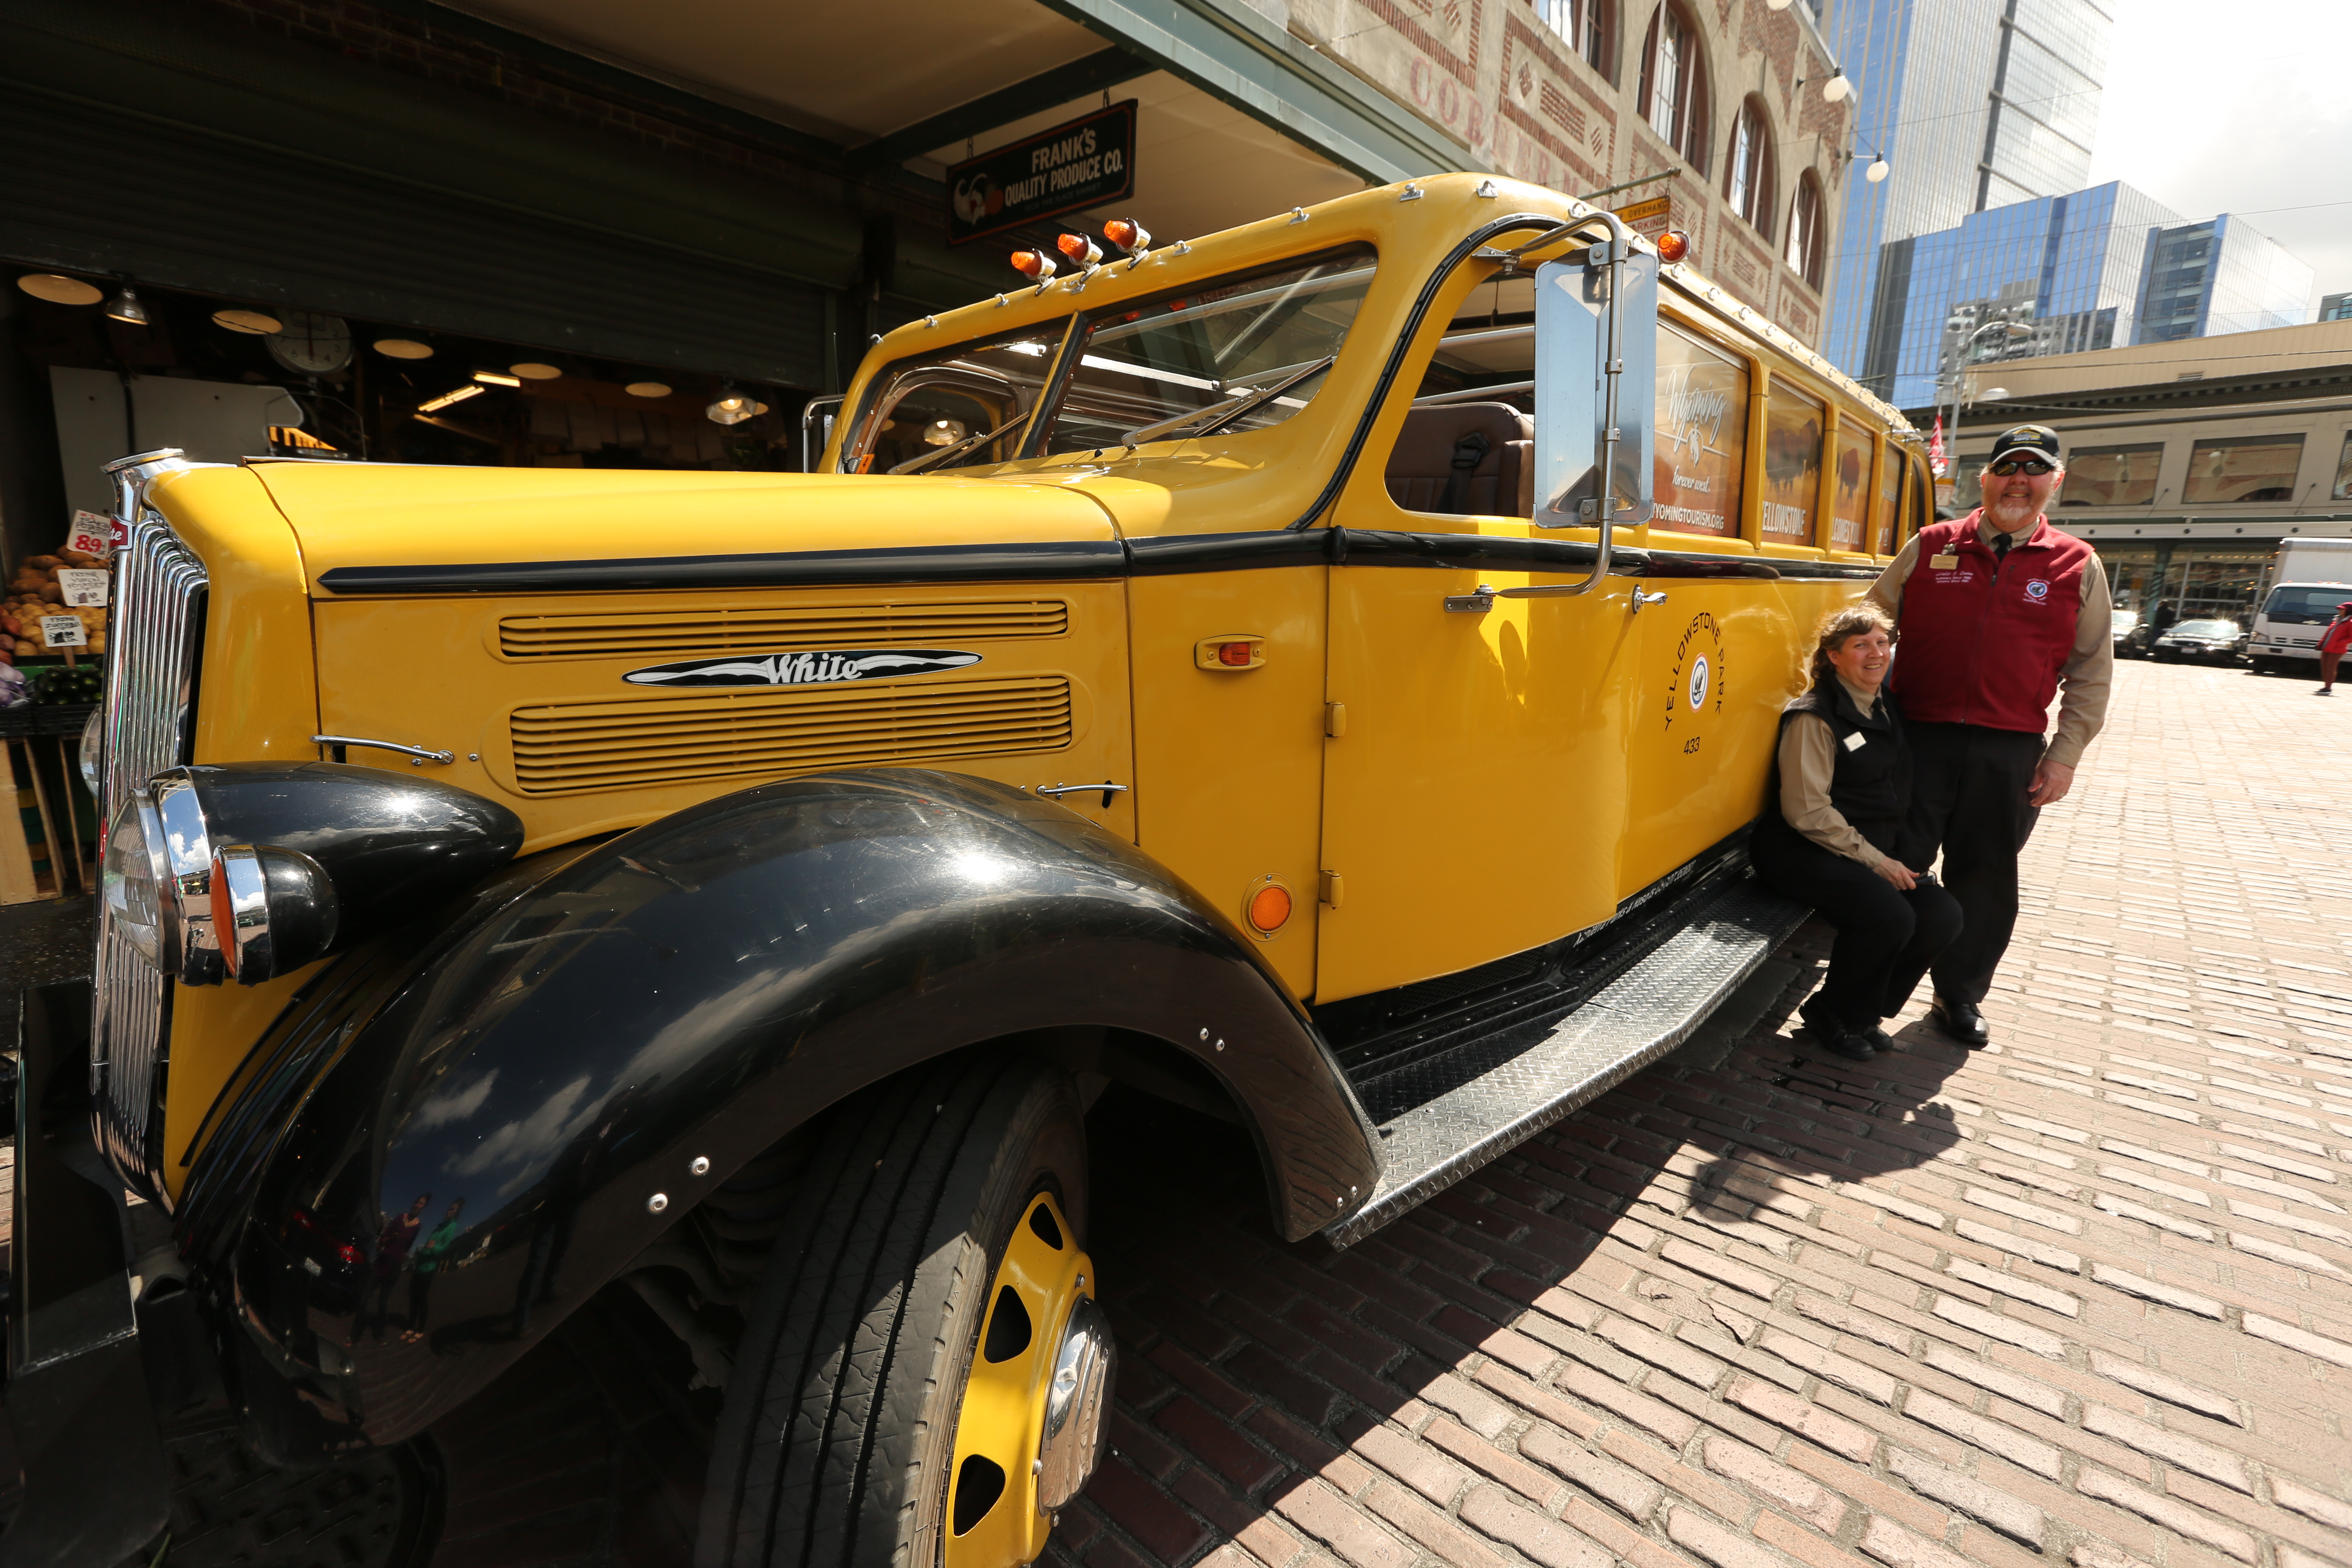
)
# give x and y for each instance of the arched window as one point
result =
(1748, 176)
(1589, 26)
(1806, 251)
(1674, 87)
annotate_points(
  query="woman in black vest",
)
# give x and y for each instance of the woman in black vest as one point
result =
(1841, 786)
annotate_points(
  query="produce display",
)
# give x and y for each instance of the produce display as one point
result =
(34, 592)
(56, 686)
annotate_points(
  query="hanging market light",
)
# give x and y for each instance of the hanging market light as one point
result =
(647, 389)
(125, 306)
(944, 432)
(59, 289)
(252, 323)
(403, 348)
(1878, 170)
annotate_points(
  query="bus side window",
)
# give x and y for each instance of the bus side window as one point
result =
(1467, 446)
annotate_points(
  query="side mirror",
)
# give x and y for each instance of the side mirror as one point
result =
(1579, 393)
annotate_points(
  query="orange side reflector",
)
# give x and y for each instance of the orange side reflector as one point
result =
(1270, 908)
(1233, 653)
(224, 915)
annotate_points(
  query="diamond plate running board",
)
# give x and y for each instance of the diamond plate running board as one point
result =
(1569, 1061)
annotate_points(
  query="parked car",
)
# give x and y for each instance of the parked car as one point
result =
(2125, 622)
(2204, 642)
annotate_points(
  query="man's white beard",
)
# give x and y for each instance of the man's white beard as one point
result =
(2011, 508)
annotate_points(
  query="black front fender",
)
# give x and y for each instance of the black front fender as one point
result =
(519, 1102)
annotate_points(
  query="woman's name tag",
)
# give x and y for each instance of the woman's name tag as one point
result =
(1856, 740)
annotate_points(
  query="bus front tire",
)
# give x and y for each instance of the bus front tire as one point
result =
(867, 1422)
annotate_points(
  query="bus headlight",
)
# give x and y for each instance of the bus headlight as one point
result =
(254, 870)
(131, 883)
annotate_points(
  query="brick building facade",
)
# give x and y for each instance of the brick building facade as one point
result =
(1557, 93)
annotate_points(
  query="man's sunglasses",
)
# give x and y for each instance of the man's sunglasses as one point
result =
(2033, 466)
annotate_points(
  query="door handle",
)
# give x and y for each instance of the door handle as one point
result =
(1057, 791)
(1639, 599)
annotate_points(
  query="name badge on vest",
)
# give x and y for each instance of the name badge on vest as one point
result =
(1944, 562)
(1856, 740)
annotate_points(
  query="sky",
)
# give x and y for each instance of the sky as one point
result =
(2240, 108)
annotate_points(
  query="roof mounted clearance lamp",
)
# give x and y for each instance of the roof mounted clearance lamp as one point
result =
(1673, 246)
(1036, 265)
(1131, 236)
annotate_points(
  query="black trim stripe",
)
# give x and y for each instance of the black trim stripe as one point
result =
(1048, 561)
(1069, 561)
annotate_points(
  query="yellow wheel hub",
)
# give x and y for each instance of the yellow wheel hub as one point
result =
(995, 1516)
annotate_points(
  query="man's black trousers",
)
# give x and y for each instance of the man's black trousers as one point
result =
(1968, 800)
(1887, 937)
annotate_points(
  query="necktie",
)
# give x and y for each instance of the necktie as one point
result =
(1999, 550)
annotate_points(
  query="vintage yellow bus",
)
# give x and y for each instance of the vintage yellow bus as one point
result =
(1320, 673)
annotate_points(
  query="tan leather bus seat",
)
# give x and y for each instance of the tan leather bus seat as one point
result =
(1465, 458)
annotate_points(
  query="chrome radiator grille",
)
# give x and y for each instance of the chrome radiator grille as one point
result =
(160, 590)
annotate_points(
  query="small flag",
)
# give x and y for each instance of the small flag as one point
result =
(1936, 457)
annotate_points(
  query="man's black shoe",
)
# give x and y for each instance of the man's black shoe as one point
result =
(1961, 1021)
(1880, 1041)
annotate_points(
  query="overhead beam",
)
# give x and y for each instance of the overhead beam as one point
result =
(1231, 51)
(1047, 89)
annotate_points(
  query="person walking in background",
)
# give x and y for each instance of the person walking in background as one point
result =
(426, 1263)
(1841, 791)
(2332, 644)
(1998, 613)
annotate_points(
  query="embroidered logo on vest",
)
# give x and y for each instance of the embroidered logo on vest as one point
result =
(2037, 590)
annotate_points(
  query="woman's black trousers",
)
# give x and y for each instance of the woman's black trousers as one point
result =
(1885, 938)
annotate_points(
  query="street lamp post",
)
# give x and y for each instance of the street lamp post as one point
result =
(1959, 353)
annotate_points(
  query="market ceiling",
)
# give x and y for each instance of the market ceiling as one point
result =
(986, 70)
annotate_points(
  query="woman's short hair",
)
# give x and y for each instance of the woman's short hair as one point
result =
(1836, 627)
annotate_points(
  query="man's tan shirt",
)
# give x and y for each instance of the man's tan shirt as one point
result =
(1808, 762)
(2088, 672)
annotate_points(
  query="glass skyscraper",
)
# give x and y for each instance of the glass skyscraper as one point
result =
(2092, 269)
(1975, 104)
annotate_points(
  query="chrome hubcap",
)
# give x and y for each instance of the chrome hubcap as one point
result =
(1077, 1402)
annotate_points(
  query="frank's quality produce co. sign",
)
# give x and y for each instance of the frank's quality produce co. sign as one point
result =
(1084, 163)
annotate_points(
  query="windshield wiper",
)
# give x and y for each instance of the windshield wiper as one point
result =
(1217, 415)
(933, 459)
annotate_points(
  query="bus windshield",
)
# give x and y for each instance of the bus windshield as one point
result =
(962, 407)
(1146, 365)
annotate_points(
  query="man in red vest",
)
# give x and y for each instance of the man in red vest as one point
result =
(1998, 612)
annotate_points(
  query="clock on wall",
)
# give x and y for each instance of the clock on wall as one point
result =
(311, 344)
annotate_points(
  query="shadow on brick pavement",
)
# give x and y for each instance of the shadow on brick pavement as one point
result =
(1256, 1377)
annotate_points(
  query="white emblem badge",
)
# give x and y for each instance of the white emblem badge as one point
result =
(829, 666)
(1698, 680)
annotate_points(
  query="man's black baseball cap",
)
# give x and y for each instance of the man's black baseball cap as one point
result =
(2037, 440)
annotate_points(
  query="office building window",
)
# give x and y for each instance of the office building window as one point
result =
(2247, 468)
(1674, 87)
(1587, 25)
(2343, 491)
(1747, 179)
(2112, 476)
(1806, 251)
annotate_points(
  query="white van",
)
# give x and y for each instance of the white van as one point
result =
(2306, 581)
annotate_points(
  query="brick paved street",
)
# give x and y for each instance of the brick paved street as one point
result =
(2085, 1297)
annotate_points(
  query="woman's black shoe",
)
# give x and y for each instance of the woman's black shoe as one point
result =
(1833, 1034)
(1961, 1021)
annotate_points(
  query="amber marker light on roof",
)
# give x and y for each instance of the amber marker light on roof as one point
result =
(1081, 251)
(1673, 246)
(1270, 908)
(1034, 264)
(1128, 234)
